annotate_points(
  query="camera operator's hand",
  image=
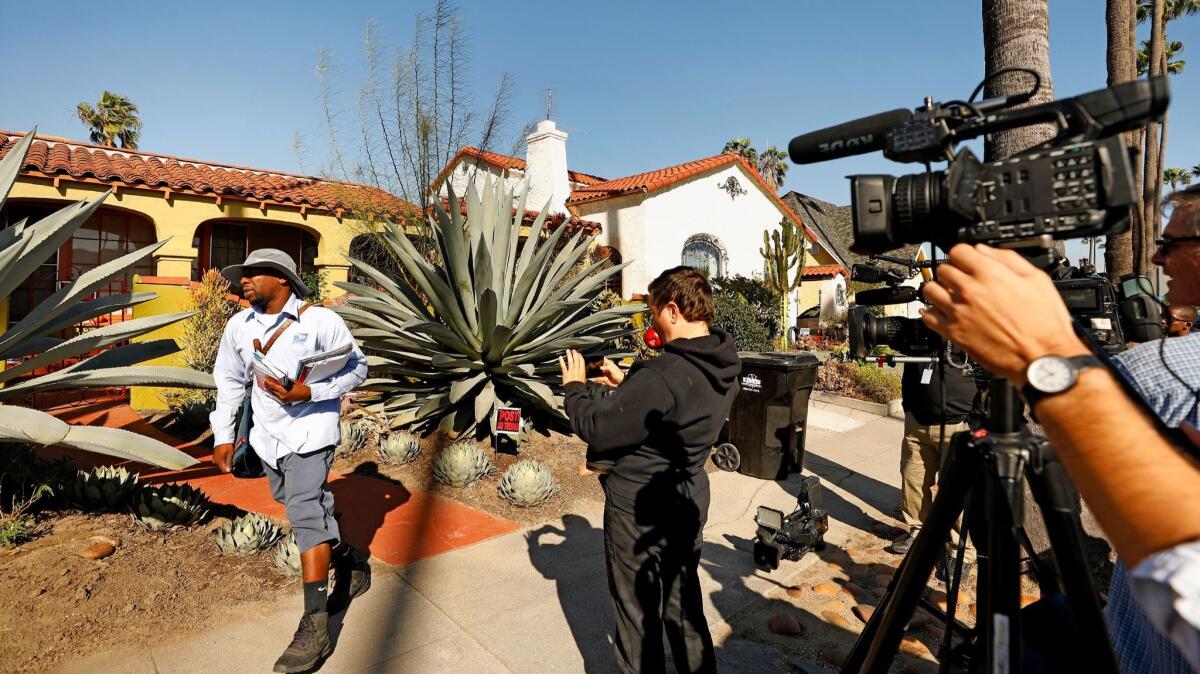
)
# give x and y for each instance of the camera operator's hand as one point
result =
(610, 373)
(1000, 309)
(573, 367)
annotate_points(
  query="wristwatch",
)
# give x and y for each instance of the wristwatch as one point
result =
(1051, 375)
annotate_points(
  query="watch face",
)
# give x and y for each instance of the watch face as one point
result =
(1051, 374)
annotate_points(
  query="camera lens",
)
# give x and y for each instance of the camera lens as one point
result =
(915, 198)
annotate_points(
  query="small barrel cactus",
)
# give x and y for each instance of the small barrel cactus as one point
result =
(462, 464)
(168, 506)
(247, 535)
(528, 483)
(287, 555)
(104, 488)
(399, 447)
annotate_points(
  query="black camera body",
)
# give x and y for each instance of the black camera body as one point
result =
(788, 537)
(1080, 183)
(1077, 190)
(1114, 314)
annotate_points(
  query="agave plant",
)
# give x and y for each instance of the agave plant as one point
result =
(103, 488)
(528, 483)
(287, 555)
(168, 506)
(399, 447)
(462, 464)
(247, 535)
(23, 248)
(353, 437)
(486, 326)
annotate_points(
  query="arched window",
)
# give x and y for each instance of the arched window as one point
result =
(613, 256)
(706, 254)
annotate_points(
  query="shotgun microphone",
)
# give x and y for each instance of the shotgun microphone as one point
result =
(880, 296)
(859, 136)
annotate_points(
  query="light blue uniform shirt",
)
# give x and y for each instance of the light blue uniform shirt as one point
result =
(283, 429)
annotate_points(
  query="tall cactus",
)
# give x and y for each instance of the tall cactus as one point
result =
(783, 250)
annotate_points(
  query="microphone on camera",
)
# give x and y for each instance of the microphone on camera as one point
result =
(880, 296)
(859, 136)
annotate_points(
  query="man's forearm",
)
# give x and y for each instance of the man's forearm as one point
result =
(1143, 491)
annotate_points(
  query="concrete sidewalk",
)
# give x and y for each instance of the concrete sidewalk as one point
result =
(536, 600)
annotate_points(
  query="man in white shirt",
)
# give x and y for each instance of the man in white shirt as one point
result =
(294, 432)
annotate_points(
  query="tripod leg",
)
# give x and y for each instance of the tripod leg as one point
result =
(999, 599)
(1054, 493)
(876, 646)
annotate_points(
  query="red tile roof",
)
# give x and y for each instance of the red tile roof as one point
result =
(823, 270)
(505, 162)
(665, 177)
(55, 157)
(553, 220)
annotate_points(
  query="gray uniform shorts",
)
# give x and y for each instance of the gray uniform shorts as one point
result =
(301, 484)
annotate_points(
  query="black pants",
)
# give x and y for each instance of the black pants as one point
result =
(652, 555)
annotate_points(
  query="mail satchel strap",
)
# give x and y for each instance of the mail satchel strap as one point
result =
(264, 349)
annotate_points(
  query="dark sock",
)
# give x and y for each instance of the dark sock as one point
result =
(316, 596)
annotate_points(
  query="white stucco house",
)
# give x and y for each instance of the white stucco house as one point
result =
(708, 213)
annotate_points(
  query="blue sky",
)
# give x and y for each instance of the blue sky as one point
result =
(638, 85)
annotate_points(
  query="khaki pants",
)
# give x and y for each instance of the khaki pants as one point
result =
(922, 453)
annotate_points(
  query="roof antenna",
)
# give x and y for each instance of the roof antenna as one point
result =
(549, 102)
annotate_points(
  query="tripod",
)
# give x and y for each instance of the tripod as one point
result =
(992, 464)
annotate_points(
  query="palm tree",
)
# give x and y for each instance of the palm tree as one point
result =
(771, 163)
(1016, 33)
(1121, 21)
(1196, 171)
(1176, 176)
(1159, 13)
(114, 119)
(1171, 49)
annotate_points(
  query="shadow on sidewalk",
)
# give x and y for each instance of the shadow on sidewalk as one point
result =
(882, 496)
(583, 596)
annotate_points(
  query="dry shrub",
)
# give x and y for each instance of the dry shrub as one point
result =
(199, 343)
(858, 380)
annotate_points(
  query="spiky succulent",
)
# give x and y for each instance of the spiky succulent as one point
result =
(485, 326)
(399, 447)
(168, 506)
(353, 435)
(247, 535)
(462, 464)
(528, 483)
(24, 248)
(104, 488)
(287, 555)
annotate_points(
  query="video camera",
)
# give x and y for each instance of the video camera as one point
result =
(1080, 183)
(788, 537)
(1114, 314)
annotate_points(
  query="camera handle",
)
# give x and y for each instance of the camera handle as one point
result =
(993, 463)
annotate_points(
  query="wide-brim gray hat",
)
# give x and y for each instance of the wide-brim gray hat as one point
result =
(268, 258)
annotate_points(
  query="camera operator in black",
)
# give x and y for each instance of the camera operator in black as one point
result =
(658, 428)
(938, 400)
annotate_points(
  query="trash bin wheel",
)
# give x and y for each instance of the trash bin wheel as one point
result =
(727, 457)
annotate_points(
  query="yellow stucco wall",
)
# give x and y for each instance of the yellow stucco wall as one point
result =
(177, 217)
(172, 297)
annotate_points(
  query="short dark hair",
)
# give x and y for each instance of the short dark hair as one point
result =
(688, 289)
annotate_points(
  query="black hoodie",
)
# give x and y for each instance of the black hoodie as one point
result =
(663, 420)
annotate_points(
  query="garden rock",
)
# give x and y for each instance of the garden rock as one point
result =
(786, 624)
(826, 589)
(97, 551)
(863, 612)
(835, 619)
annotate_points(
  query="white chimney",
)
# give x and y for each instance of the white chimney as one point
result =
(546, 168)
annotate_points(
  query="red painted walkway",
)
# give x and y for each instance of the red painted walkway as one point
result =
(398, 525)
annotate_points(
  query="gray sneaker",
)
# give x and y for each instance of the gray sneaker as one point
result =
(309, 645)
(901, 546)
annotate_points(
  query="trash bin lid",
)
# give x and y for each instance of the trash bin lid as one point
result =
(776, 360)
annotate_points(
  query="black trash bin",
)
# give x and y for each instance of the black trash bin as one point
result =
(768, 422)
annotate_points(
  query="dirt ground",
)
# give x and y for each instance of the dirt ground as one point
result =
(58, 606)
(563, 454)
